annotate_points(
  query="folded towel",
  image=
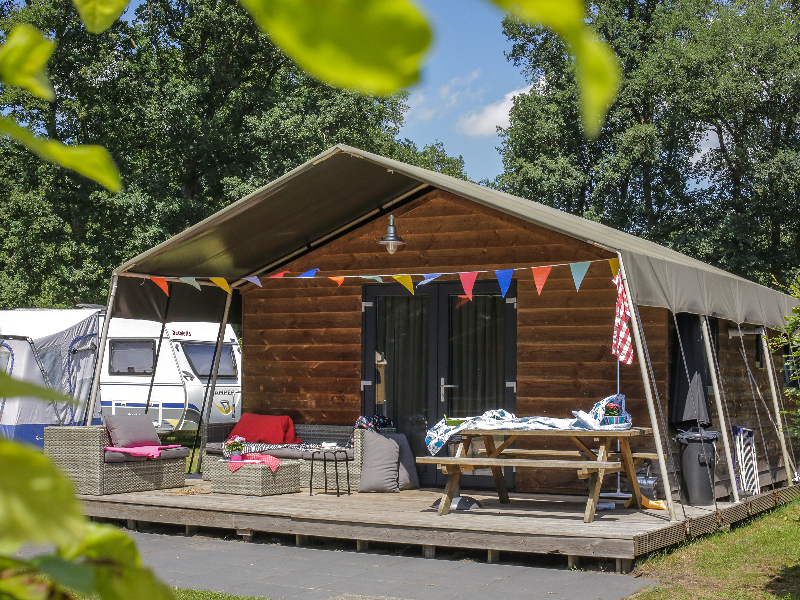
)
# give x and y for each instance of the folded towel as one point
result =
(150, 451)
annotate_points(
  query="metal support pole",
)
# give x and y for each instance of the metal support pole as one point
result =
(98, 368)
(637, 338)
(158, 356)
(720, 411)
(210, 392)
(773, 388)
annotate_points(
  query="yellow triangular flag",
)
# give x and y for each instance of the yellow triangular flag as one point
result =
(614, 264)
(405, 281)
(221, 282)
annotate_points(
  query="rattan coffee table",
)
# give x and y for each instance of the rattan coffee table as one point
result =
(254, 479)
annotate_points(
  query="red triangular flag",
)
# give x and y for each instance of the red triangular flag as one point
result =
(162, 283)
(468, 281)
(339, 280)
(278, 275)
(540, 276)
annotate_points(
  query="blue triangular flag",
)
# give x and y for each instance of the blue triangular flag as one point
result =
(504, 279)
(310, 273)
(190, 281)
(579, 272)
(373, 278)
(253, 279)
(428, 278)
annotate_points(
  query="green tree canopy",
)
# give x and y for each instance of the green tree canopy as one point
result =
(694, 72)
(197, 108)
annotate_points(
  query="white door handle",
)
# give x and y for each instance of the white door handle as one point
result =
(442, 386)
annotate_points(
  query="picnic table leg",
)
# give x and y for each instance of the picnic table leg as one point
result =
(630, 469)
(596, 482)
(449, 491)
(497, 472)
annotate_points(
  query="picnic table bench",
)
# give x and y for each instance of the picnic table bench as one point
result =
(589, 463)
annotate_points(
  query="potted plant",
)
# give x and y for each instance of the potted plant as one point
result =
(234, 447)
(613, 414)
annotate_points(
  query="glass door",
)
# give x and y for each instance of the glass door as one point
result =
(437, 353)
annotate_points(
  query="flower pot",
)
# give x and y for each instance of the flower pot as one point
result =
(236, 455)
(613, 420)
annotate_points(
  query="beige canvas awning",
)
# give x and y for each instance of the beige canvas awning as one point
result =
(344, 186)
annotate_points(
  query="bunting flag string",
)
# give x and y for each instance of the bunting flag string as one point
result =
(405, 281)
(468, 282)
(191, 281)
(540, 276)
(504, 279)
(162, 283)
(578, 273)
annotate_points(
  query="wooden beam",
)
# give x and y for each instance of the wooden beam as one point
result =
(720, 409)
(638, 338)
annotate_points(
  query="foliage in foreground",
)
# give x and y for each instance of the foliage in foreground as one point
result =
(789, 342)
(757, 560)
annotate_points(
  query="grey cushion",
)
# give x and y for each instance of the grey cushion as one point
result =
(129, 431)
(381, 464)
(118, 457)
(173, 453)
(214, 447)
(407, 478)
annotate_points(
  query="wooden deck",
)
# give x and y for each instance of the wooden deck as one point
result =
(530, 523)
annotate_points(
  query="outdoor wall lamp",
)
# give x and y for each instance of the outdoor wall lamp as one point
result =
(391, 240)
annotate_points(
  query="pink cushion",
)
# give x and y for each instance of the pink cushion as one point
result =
(265, 429)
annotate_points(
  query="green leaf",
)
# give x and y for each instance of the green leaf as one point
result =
(23, 58)
(597, 68)
(373, 46)
(104, 543)
(93, 162)
(13, 388)
(99, 15)
(36, 501)
(129, 583)
(73, 575)
(23, 587)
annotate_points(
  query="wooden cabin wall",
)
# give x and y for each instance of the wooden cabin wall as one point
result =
(302, 337)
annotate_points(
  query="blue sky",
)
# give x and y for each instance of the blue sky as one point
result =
(467, 85)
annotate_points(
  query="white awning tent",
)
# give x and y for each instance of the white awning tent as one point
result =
(51, 348)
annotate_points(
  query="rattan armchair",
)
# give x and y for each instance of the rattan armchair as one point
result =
(79, 453)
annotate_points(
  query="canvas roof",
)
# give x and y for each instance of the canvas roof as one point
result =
(345, 185)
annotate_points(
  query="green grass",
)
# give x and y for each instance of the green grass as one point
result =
(185, 594)
(757, 560)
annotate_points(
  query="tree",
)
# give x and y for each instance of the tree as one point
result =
(212, 110)
(691, 68)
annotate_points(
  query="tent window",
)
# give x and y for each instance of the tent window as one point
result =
(201, 355)
(132, 357)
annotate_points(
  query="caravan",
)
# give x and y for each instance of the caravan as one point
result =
(58, 349)
(184, 372)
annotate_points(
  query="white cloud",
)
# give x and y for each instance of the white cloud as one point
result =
(437, 103)
(484, 122)
(709, 142)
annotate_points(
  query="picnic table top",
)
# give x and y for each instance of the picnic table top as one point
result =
(632, 432)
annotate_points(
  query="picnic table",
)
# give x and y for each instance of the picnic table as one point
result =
(592, 464)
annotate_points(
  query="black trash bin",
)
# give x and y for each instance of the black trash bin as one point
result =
(698, 463)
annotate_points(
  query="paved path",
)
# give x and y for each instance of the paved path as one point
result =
(280, 572)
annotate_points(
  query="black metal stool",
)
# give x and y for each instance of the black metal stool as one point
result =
(334, 452)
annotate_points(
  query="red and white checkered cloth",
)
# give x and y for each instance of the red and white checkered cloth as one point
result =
(621, 344)
(264, 459)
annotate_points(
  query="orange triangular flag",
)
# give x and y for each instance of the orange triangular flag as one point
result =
(614, 264)
(468, 282)
(221, 282)
(540, 276)
(406, 282)
(339, 280)
(162, 283)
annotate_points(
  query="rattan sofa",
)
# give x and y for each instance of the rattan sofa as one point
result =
(315, 434)
(79, 452)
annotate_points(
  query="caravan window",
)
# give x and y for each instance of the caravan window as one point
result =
(201, 354)
(132, 357)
